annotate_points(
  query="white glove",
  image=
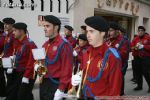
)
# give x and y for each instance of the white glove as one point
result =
(12, 57)
(76, 79)
(58, 95)
(139, 46)
(9, 71)
(25, 80)
(117, 45)
(36, 66)
(75, 53)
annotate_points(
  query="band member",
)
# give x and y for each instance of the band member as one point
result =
(134, 68)
(68, 32)
(59, 61)
(2, 77)
(122, 44)
(8, 51)
(102, 74)
(23, 78)
(78, 52)
(83, 29)
(141, 45)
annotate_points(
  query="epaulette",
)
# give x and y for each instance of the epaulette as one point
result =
(115, 53)
(64, 39)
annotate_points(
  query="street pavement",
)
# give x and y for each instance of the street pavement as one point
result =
(129, 86)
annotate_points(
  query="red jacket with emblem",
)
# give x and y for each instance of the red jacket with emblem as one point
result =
(145, 40)
(9, 45)
(62, 68)
(124, 48)
(111, 80)
(72, 41)
(2, 40)
(24, 58)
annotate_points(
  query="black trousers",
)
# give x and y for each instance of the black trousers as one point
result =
(134, 68)
(16, 90)
(143, 69)
(47, 89)
(123, 79)
(123, 86)
(2, 83)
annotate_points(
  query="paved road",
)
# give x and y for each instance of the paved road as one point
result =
(128, 88)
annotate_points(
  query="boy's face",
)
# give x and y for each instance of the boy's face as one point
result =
(94, 36)
(82, 43)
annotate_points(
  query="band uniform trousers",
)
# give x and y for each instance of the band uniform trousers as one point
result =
(16, 90)
(2, 83)
(143, 69)
(47, 89)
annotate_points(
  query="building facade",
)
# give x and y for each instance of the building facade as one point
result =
(129, 13)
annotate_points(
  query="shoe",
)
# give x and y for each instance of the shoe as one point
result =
(138, 88)
(22, 7)
(132, 79)
(134, 83)
(148, 90)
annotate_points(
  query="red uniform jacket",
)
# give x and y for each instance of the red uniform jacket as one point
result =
(110, 82)
(124, 48)
(134, 52)
(72, 41)
(145, 40)
(2, 40)
(62, 68)
(80, 51)
(9, 45)
(24, 58)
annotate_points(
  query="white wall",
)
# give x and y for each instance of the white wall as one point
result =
(82, 10)
(86, 8)
(144, 13)
(31, 17)
(76, 16)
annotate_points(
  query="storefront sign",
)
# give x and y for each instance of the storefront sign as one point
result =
(127, 6)
(33, 5)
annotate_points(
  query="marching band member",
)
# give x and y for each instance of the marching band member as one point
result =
(8, 52)
(102, 74)
(2, 77)
(68, 32)
(122, 44)
(23, 78)
(141, 47)
(58, 61)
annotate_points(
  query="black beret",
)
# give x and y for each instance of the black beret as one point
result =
(21, 26)
(98, 23)
(123, 30)
(83, 27)
(68, 27)
(52, 19)
(1, 25)
(141, 27)
(8, 20)
(114, 25)
(83, 37)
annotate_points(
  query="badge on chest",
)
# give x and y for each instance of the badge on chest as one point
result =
(99, 64)
(54, 48)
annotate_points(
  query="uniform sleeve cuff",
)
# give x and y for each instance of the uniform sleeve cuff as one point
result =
(62, 87)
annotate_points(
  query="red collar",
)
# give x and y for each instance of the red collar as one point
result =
(56, 39)
(98, 50)
(23, 40)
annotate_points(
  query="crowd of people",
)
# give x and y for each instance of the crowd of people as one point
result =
(92, 65)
